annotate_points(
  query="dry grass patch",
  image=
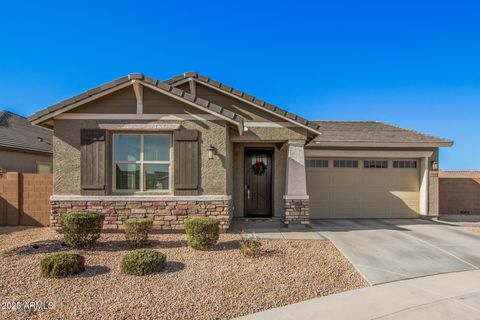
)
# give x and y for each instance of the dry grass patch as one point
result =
(218, 284)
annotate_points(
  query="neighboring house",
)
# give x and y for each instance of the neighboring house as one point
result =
(459, 192)
(23, 147)
(192, 145)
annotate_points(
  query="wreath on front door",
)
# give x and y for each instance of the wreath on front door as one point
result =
(259, 167)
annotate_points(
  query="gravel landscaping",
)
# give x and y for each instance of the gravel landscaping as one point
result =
(217, 284)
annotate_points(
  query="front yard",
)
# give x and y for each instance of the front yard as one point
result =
(218, 284)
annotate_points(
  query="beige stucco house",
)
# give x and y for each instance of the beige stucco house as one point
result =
(194, 146)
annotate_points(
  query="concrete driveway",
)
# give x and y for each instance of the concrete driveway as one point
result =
(385, 250)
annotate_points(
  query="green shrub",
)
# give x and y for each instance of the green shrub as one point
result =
(61, 265)
(142, 262)
(202, 232)
(250, 246)
(136, 231)
(81, 229)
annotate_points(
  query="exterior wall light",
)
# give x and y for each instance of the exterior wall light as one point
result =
(211, 152)
(434, 165)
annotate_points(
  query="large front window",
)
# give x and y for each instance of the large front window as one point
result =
(141, 162)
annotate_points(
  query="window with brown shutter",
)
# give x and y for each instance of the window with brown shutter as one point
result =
(93, 161)
(186, 162)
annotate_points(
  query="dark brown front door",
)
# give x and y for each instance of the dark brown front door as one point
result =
(258, 182)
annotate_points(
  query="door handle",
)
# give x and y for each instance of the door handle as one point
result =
(248, 191)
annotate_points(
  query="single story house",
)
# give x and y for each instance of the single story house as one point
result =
(23, 147)
(191, 145)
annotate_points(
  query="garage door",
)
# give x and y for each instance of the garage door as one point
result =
(363, 188)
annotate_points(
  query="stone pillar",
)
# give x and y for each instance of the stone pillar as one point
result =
(296, 200)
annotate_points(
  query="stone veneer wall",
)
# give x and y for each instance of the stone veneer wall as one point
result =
(166, 215)
(296, 211)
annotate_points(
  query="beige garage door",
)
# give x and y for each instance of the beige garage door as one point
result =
(363, 188)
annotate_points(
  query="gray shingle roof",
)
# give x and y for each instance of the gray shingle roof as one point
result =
(16, 132)
(137, 76)
(242, 95)
(371, 131)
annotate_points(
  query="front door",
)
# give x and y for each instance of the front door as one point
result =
(258, 182)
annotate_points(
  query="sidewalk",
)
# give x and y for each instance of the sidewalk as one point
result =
(445, 296)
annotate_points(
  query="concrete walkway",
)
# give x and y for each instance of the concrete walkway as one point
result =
(273, 229)
(445, 296)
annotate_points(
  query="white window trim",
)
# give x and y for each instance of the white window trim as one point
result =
(141, 162)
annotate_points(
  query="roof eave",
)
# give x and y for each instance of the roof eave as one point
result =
(25, 149)
(414, 144)
(40, 118)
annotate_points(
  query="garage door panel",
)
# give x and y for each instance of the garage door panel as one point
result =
(374, 195)
(346, 195)
(402, 212)
(322, 176)
(371, 178)
(346, 210)
(363, 192)
(405, 181)
(409, 196)
(345, 179)
(374, 209)
(322, 195)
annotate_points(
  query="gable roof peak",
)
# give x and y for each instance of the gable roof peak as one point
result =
(302, 122)
(136, 76)
(130, 79)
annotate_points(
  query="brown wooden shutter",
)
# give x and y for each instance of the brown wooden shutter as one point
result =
(93, 161)
(186, 162)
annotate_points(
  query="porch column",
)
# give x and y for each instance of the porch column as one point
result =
(295, 200)
(424, 186)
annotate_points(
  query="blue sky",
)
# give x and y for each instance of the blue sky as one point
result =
(415, 64)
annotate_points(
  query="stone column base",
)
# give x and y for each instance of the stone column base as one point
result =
(296, 211)
(166, 215)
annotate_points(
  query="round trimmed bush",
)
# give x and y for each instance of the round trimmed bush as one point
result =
(81, 229)
(61, 265)
(202, 232)
(136, 231)
(141, 262)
